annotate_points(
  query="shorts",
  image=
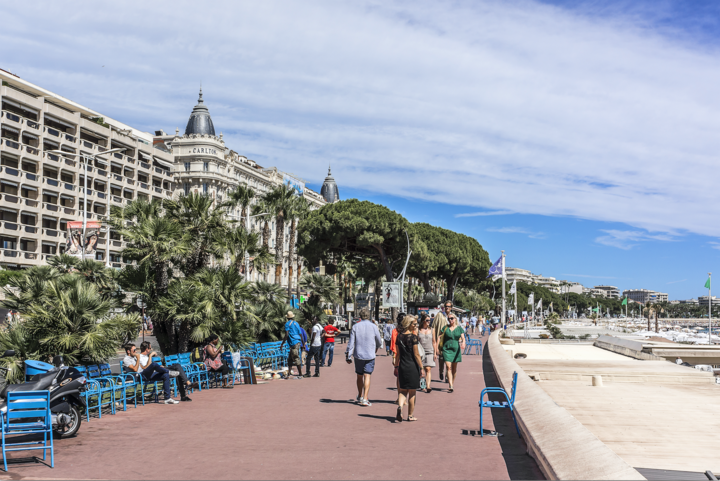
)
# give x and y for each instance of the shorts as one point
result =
(363, 366)
(294, 355)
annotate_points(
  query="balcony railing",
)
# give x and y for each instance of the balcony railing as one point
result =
(32, 124)
(52, 182)
(31, 150)
(87, 144)
(10, 253)
(102, 173)
(30, 229)
(10, 226)
(101, 194)
(144, 165)
(11, 198)
(30, 176)
(53, 132)
(12, 144)
(11, 171)
(117, 177)
(13, 117)
(143, 185)
(30, 255)
(31, 203)
(51, 207)
(70, 138)
(69, 210)
(52, 157)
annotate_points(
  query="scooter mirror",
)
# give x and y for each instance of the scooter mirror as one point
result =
(9, 353)
(58, 361)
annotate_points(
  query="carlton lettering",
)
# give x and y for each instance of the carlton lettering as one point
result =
(204, 150)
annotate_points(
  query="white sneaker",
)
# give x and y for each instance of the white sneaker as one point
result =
(174, 373)
(365, 403)
(171, 401)
(358, 399)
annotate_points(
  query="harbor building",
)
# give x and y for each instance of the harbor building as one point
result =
(643, 296)
(610, 292)
(41, 192)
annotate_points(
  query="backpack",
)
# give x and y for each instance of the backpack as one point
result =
(198, 355)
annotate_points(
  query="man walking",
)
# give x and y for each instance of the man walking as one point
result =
(315, 348)
(293, 336)
(387, 336)
(362, 346)
(329, 346)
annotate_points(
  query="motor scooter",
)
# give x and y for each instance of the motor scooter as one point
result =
(65, 384)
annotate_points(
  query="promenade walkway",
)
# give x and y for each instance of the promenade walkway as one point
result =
(300, 429)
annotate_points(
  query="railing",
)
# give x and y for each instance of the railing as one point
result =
(69, 162)
(102, 173)
(130, 181)
(52, 182)
(117, 199)
(87, 144)
(10, 253)
(31, 203)
(52, 157)
(32, 124)
(161, 171)
(69, 186)
(13, 117)
(30, 255)
(101, 149)
(158, 190)
(51, 207)
(11, 198)
(30, 176)
(117, 177)
(53, 132)
(144, 165)
(32, 150)
(11, 171)
(70, 138)
(10, 226)
(69, 210)
(143, 185)
(100, 194)
(30, 229)
(118, 155)
(117, 243)
(50, 232)
(12, 144)
(130, 159)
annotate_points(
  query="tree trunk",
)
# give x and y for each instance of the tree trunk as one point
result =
(299, 273)
(377, 299)
(279, 244)
(244, 216)
(386, 264)
(291, 255)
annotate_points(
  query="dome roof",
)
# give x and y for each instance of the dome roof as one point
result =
(200, 121)
(329, 189)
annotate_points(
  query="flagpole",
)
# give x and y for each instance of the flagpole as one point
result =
(710, 308)
(504, 316)
(515, 294)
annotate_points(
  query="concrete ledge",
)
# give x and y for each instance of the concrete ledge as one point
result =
(561, 445)
(625, 347)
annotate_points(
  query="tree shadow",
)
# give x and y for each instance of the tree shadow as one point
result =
(519, 463)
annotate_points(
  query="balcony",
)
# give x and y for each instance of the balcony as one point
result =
(143, 185)
(10, 253)
(130, 181)
(50, 207)
(50, 232)
(30, 255)
(117, 199)
(102, 173)
(10, 226)
(31, 203)
(31, 150)
(101, 195)
(117, 177)
(70, 138)
(30, 229)
(50, 181)
(87, 144)
(12, 117)
(68, 210)
(10, 171)
(69, 187)
(52, 157)
(53, 132)
(12, 144)
(144, 165)
(32, 124)
(30, 176)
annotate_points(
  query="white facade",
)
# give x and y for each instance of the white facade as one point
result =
(643, 296)
(41, 192)
(611, 292)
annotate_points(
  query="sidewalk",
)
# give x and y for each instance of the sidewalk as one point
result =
(300, 429)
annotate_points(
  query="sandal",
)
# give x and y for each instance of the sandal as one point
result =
(412, 418)
(450, 390)
(428, 390)
(398, 416)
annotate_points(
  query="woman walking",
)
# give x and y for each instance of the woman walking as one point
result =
(428, 340)
(453, 344)
(438, 325)
(213, 359)
(409, 366)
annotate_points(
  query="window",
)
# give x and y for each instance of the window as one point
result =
(187, 166)
(206, 166)
(8, 243)
(186, 188)
(205, 186)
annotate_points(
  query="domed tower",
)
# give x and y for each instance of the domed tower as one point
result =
(200, 122)
(329, 189)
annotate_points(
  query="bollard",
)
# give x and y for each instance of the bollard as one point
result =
(597, 381)
(509, 351)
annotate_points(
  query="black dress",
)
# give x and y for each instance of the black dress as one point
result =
(408, 370)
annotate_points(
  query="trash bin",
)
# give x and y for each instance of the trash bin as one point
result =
(36, 367)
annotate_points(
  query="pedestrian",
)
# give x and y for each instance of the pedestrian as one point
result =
(409, 367)
(387, 336)
(393, 348)
(473, 323)
(438, 326)
(362, 346)
(453, 343)
(427, 339)
(329, 333)
(316, 347)
(293, 337)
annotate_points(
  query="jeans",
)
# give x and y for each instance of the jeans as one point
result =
(314, 353)
(155, 372)
(182, 379)
(328, 347)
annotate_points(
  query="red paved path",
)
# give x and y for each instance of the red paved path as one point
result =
(299, 429)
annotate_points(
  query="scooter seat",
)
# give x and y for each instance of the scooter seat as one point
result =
(39, 385)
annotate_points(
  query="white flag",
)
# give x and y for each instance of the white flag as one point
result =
(514, 287)
(539, 306)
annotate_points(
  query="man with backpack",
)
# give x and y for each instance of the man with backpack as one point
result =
(294, 338)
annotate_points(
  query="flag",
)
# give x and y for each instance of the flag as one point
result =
(551, 307)
(595, 309)
(624, 302)
(496, 270)
(513, 289)
(531, 300)
(539, 306)
(707, 284)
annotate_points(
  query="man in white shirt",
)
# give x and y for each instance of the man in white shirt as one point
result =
(150, 371)
(316, 348)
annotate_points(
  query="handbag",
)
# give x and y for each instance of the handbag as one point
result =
(421, 351)
(442, 338)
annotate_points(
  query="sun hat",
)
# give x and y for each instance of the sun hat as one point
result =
(290, 315)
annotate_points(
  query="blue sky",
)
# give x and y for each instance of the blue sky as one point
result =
(588, 130)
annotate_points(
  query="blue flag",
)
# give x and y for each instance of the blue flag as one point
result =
(495, 270)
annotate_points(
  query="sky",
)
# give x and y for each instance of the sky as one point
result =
(579, 136)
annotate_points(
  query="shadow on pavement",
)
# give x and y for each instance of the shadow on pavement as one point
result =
(520, 464)
(386, 418)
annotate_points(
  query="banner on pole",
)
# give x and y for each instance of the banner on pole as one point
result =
(391, 295)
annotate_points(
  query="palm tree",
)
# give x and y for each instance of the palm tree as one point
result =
(299, 211)
(281, 201)
(261, 207)
(321, 288)
(265, 292)
(242, 197)
(236, 242)
(64, 263)
(198, 217)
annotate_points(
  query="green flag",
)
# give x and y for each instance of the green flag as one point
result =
(624, 302)
(595, 310)
(707, 284)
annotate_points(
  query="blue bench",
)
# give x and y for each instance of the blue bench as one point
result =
(509, 404)
(473, 343)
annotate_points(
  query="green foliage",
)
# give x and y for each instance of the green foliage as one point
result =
(550, 325)
(6, 275)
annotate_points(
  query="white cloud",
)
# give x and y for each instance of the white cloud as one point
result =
(676, 282)
(714, 245)
(486, 213)
(517, 230)
(513, 106)
(627, 239)
(589, 276)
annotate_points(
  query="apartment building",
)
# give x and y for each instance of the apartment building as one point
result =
(520, 275)
(42, 193)
(643, 296)
(611, 292)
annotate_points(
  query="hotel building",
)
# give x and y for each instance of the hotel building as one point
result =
(41, 192)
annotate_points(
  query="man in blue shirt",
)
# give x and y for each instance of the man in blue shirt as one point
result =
(294, 338)
(364, 342)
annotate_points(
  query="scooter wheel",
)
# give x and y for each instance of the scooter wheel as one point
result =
(71, 429)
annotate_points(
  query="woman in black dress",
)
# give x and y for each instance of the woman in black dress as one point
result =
(409, 365)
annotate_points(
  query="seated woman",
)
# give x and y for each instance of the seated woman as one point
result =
(213, 359)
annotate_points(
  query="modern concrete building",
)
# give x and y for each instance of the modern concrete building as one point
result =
(643, 296)
(611, 292)
(40, 192)
(571, 287)
(520, 275)
(703, 301)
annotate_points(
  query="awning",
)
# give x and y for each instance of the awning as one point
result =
(5, 127)
(163, 163)
(79, 224)
(144, 156)
(19, 105)
(14, 184)
(59, 121)
(28, 187)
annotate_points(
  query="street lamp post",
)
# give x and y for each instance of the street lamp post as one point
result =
(85, 158)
